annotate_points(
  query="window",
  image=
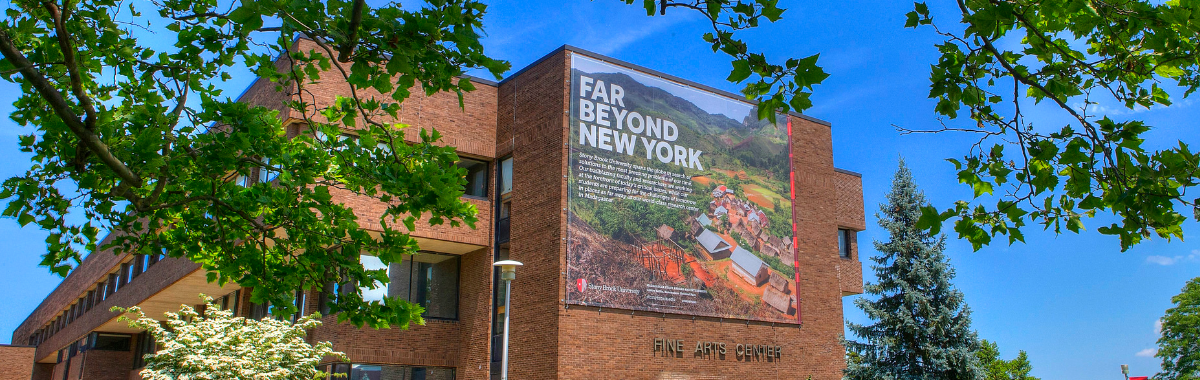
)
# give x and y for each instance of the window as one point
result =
(477, 177)
(229, 302)
(138, 266)
(145, 345)
(398, 372)
(506, 173)
(268, 173)
(112, 285)
(844, 239)
(260, 310)
(379, 290)
(110, 342)
(126, 270)
(426, 279)
(242, 180)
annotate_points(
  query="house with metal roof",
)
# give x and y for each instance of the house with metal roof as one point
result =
(713, 244)
(749, 267)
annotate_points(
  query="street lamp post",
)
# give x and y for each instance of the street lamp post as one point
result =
(508, 272)
(1124, 370)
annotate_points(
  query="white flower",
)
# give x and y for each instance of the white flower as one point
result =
(218, 346)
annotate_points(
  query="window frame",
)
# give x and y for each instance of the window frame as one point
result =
(505, 174)
(845, 243)
(486, 176)
(412, 278)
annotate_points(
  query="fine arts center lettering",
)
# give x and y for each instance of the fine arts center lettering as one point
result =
(716, 350)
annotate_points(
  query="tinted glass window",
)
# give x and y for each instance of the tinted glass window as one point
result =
(111, 342)
(844, 243)
(477, 177)
(390, 372)
(429, 280)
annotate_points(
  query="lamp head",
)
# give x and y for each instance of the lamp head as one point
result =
(508, 269)
(1125, 369)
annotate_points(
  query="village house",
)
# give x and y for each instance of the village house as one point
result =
(713, 244)
(749, 267)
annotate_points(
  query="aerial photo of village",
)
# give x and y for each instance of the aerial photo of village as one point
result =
(722, 248)
(724, 263)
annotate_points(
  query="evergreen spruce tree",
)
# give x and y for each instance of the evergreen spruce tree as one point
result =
(922, 326)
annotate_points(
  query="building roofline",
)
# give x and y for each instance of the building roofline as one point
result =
(535, 63)
(844, 171)
(473, 78)
(656, 73)
(74, 271)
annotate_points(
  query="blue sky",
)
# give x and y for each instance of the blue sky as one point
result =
(1075, 303)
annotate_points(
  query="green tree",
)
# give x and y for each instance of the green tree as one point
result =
(1179, 345)
(135, 138)
(996, 368)
(922, 326)
(214, 345)
(1088, 60)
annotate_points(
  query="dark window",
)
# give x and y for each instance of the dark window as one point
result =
(301, 302)
(498, 296)
(328, 294)
(429, 280)
(101, 290)
(426, 279)
(477, 177)
(110, 342)
(125, 271)
(844, 238)
(112, 285)
(138, 266)
(379, 372)
(145, 345)
(504, 223)
(260, 310)
(229, 302)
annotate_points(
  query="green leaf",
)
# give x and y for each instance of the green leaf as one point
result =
(741, 71)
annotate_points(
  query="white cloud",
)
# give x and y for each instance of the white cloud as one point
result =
(1158, 327)
(1162, 260)
(1147, 353)
(604, 41)
(1194, 256)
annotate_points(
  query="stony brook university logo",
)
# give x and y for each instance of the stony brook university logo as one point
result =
(581, 284)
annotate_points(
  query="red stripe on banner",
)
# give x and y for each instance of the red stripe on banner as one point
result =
(795, 227)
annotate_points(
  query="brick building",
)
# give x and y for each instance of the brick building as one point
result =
(513, 138)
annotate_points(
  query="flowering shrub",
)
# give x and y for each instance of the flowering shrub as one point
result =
(218, 346)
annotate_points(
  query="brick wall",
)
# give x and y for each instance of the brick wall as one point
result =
(849, 200)
(850, 215)
(815, 213)
(531, 121)
(104, 365)
(16, 362)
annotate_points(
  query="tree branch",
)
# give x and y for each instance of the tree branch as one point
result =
(64, 44)
(63, 110)
(352, 32)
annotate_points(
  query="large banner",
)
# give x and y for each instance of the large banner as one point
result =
(680, 199)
